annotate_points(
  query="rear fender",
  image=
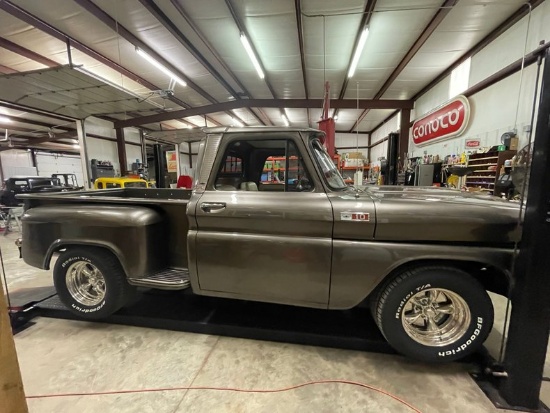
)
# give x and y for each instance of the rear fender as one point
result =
(136, 235)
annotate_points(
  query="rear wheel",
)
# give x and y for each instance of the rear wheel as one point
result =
(90, 282)
(434, 313)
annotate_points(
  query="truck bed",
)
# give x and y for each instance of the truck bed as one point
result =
(170, 204)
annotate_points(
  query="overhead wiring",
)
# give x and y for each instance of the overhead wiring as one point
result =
(232, 389)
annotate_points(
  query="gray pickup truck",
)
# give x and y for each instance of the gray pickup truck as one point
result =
(270, 219)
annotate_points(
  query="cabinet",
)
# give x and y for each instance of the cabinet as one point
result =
(487, 168)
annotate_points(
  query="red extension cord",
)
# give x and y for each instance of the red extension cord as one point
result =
(284, 389)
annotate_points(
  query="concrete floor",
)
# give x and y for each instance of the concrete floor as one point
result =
(60, 356)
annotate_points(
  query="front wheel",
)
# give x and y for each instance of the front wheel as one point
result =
(434, 313)
(90, 282)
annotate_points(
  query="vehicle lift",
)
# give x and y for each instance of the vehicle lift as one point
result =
(514, 383)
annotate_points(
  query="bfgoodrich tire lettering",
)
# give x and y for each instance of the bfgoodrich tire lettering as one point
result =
(434, 313)
(90, 282)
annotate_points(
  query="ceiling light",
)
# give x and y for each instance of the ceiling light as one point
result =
(160, 66)
(285, 120)
(358, 51)
(335, 117)
(236, 122)
(252, 56)
(5, 119)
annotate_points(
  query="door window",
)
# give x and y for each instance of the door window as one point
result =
(263, 165)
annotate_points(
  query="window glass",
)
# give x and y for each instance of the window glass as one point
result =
(100, 185)
(263, 165)
(328, 168)
(460, 76)
(135, 185)
(112, 185)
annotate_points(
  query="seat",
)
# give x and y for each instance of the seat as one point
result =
(248, 186)
(225, 188)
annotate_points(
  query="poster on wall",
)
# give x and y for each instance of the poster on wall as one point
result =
(171, 161)
(447, 121)
(472, 143)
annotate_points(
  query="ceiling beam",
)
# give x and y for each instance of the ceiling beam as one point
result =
(106, 19)
(214, 52)
(188, 45)
(242, 29)
(300, 29)
(505, 25)
(267, 103)
(7, 70)
(34, 122)
(520, 13)
(31, 19)
(444, 10)
(29, 54)
(365, 20)
(185, 42)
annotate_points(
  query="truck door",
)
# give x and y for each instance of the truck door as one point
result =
(264, 223)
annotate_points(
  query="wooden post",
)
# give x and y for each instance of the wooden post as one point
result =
(12, 395)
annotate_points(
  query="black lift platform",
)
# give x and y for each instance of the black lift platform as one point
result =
(183, 311)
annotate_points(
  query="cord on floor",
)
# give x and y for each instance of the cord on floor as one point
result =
(232, 389)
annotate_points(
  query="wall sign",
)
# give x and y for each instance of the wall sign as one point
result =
(171, 161)
(447, 121)
(472, 143)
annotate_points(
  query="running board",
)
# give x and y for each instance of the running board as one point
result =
(167, 279)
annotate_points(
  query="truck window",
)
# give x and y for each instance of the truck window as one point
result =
(100, 185)
(263, 165)
(109, 185)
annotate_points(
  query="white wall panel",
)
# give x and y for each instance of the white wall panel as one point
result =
(16, 162)
(493, 112)
(103, 150)
(510, 45)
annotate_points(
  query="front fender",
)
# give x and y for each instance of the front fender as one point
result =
(135, 235)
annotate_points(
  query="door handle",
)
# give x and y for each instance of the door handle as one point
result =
(213, 206)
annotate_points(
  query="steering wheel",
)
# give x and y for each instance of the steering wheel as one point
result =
(303, 184)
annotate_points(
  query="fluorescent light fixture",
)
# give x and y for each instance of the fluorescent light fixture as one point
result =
(252, 56)
(285, 120)
(160, 67)
(358, 52)
(335, 117)
(4, 119)
(236, 122)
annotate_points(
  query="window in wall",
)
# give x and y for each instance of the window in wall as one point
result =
(460, 77)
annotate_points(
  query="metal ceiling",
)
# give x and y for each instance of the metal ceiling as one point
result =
(300, 44)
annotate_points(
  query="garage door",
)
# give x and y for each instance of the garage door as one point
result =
(48, 164)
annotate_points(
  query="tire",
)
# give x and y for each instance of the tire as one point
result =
(90, 282)
(434, 313)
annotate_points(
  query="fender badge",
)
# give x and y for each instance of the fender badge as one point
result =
(355, 216)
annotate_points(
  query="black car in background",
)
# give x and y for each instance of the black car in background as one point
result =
(27, 185)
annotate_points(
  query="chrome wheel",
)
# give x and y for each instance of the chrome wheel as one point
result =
(85, 283)
(436, 317)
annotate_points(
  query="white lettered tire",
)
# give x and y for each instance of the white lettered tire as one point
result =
(434, 313)
(90, 282)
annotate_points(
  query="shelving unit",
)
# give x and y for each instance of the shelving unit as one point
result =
(489, 165)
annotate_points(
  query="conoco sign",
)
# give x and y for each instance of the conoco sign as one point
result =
(447, 121)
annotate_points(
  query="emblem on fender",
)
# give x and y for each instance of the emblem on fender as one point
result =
(355, 216)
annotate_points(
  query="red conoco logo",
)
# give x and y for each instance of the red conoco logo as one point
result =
(448, 121)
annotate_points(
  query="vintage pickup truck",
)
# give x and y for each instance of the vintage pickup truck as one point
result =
(270, 219)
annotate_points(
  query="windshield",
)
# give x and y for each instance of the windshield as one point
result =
(135, 185)
(34, 183)
(329, 169)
